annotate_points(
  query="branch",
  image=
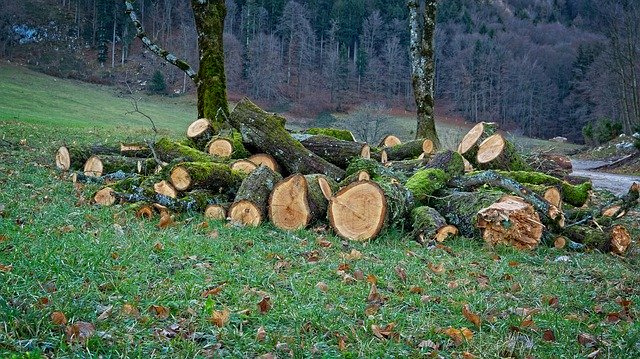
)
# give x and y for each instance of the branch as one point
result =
(169, 57)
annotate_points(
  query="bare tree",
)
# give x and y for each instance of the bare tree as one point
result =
(423, 67)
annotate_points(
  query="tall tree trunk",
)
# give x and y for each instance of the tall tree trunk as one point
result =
(423, 67)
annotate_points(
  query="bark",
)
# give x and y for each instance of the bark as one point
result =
(375, 169)
(98, 164)
(73, 157)
(168, 151)
(426, 222)
(216, 177)
(553, 165)
(250, 205)
(425, 183)
(423, 67)
(337, 133)
(461, 208)
(267, 133)
(335, 151)
(409, 150)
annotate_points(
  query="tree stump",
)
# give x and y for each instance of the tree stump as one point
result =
(511, 221)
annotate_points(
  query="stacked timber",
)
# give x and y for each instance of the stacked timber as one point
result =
(256, 171)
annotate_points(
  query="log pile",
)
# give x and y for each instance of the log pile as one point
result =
(258, 171)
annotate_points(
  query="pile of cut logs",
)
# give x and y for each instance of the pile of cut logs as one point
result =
(486, 189)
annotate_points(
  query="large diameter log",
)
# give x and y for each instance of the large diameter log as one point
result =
(362, 209)
(96, 165)
(468, 147)
(216, 177)
(461, 208)
(575, 195)
(250, 205)
(266, 132)
(497, 153)
(200, 132)
(429, 225)
(511, 221)
(168, 151)
(333, 150)
(264, 159)
(298, 200)
(409, 150)
(337, 133)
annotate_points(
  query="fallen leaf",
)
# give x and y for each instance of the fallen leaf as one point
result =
(6, 268)
(312, 257)
(79, 332)
(264, 305)
(58, 318)
(261, 334)
(43, 302)
(130, 311)
(105, 313)
(548, 336)
(587, 340)
(416, 290)
(437, 269)
(613, 317)
(159, 311)
(220, 318)
(471, 316)
(385, 332)
(324, 243)
(3, 238)
(212, 291)
(158, 246)
(115, 255)
(358, 274)
(372, 309)
(344, 267)
(372, 279)
(322, 286)
(165, 220)
(145, 212)
(453, 284)
(353, 255)
(513, 264)
(374, 295)
(342, 344)
(202, 225)
(458, 335)
(467, 355)
(553, 302)
(483, 281)
(402, 273)
(594, 354)
(516, 287)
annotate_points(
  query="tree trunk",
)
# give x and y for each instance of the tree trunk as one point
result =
(267, 133)
(216, 177)
(250, 205)
(333, 150)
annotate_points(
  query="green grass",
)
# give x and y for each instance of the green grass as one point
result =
(83, 258)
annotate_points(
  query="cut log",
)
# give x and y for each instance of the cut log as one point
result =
(165, 188)
(452, 163)
(374, 169)
(73, 157)
(105, 197)
(615, 238)
(250, 205)
(425, 183)
(216, 177)
(104, 179)
(468, 147)
(497, 153)
(335, 151)
(461, 208)
(217, 212)
(362, 209)
(427, 222)
(511, 221)
(389, 141)
(200, 132)
(266, 160)
(327, 186)
(98, 164)
(553, 196)
(169, 151)
(298, 200)
(337, 133)
(227, 147)
(409, 150)
(267, 133)
(244, 166)
(468, 167)
(140, 150)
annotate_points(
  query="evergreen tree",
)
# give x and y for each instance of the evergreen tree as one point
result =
(157, 84)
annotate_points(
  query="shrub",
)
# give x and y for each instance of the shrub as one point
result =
(604, 131)
(157, 85)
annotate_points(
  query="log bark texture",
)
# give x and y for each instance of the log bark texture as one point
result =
(250, 205)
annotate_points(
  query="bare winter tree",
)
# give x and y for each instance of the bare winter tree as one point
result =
(423, 66)
(210, 78)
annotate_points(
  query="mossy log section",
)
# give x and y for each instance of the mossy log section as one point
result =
(333, 150)
(266, 132)
(227, 147)
(615, 238)
(337, 133)
(468, 147)
(450, 162)
(511, 221)
(409, 150)
(461, 209)
(429, 225)
(358, 176)
(104, 179)
(200, 133)
(389, 141)
(424, 183)
(375, 169)
(498, 153)
(575, 195)
(98, 164)
(362, 209)
(165, 188)
(216, 177)
(549, 214)
(244, 166)
(297, 201)
(250, 205)
(168, 151)
(73, 157)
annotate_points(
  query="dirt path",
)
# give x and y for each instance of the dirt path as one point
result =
(618, 184)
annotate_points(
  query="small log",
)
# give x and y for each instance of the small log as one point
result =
(216, 177)
(169, 151)
(497, 153)
(217, 212)
(409, 150)
(450, 162)
(468, 167)
(511, 221)
(337, 133)
(362, 209)
(553, 196)
(267, 133)
(105, 197)
(140, 150)
(615, 238)
(327, 186)
(374, 168)
(427, 225)
(298, 200)
(335, 151)
(244, 166)
(104, 179)
(200, 132)
(96, 165)
(358, 176)
(266, 160)
(461, 208)
(165, 188)
(425, 183)
(575, 195)
(73, 157)
(227, 147)
(250, 205)
(468, 147)
(389, 141)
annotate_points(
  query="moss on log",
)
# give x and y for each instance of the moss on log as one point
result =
(575, 195)
(615, 238)
(266, 132)
(375, 169)
(461, 209)
(337, 133)
(426, 223)
(335, 151)
(425, 183)
(250, 205)
(168, 150)
(227, 147)
(216, 177)
(451, 162)
(498, 153)
(199, 133)
(73, 157)
(409, 150)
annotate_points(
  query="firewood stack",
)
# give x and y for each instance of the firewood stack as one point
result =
(260, 172)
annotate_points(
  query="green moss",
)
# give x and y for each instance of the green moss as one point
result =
(239, 151)
(425, 182)
(373, 168)
(169, 150)
(573, 195)
(340, 134)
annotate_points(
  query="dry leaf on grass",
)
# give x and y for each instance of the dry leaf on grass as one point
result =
(220, 318)
(342, 344)
(6, 268)
(402, 273)
(322, 286)
(437, 269)
(79, 332)
(458, 335)
(212, 291)
(353, 255)
(471, 316)
(264, 305)
(159, 311)
(58, 318)
(261, 334)
(165, 220)
(130, 311)
(385, 332)
(548, 336)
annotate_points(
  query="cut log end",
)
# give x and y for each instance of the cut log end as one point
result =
(166, 189)
(198, 127)
(560, 242)
(384, 158)
(620, 239)
(427, 147)
(63, 159)
(244, 166)
(490, 149)
(358, 211)
(105, 197)
(366, 152)
(471, 138)
(612, 211)
(325, 187)
(288, 205)
(265, 159)
(93, 167)
(390, 141)
(215, 212)
(363, 176)
(220, 147)
(511, 221)
(445, 232)
(245, 213)
(180, 178)
(553, 196)
(468, 167)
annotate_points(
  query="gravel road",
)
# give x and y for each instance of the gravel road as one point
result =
(615, 183)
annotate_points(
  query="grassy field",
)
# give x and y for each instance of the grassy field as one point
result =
(195, 289)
